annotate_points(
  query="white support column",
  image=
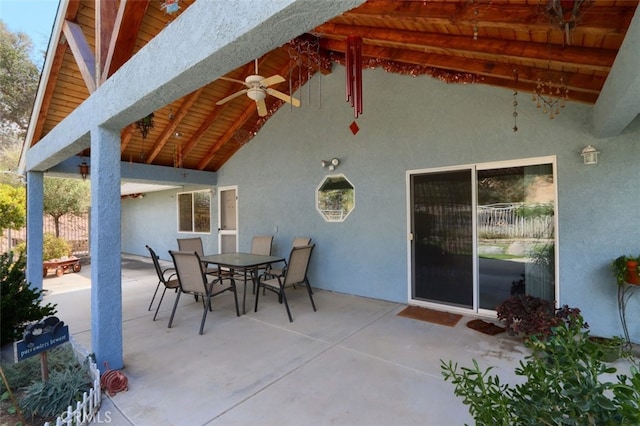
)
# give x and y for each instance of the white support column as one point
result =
(106, 275)
(35, 209)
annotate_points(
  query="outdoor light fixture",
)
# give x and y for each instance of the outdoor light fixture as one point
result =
(84, 169)
(144, 124)
(590, 155)
(331, 164)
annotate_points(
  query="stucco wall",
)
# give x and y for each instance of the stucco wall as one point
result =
(414, 123)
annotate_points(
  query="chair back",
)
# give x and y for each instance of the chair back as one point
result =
(191, 244)
(262, 244)
(189, 271)
(301, 241)
(156, 263)
(298, 264)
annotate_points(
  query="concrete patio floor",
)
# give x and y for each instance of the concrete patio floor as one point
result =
(353, 362)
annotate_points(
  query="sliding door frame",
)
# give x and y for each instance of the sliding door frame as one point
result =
(474, 175)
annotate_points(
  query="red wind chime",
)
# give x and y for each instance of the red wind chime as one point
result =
(353, 72)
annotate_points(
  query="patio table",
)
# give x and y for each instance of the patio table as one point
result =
(243, 262)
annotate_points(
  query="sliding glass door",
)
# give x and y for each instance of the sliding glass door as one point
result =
(442, 237)
(516, 233)
(482, 233)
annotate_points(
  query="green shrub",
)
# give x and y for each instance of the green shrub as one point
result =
(566, 383)
(527, 315)
(52, 247)
(23, 373)
(68, 380)
(51, 398)
(20, 304)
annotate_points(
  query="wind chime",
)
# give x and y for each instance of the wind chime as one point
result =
(353, 72)
(170, 6)
(565, 14)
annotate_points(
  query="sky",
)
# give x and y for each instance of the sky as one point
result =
(33, 17)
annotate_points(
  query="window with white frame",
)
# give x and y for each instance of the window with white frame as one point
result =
(194, 211)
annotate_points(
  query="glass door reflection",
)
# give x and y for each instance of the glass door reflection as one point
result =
(516, 235)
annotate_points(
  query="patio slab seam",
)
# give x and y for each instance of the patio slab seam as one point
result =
(330, 345)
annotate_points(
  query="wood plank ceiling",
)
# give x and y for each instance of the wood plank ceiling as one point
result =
(506, 43)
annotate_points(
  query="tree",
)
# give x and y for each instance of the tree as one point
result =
(20, 304)
(18, 80)
(12, 207)
(65, 196)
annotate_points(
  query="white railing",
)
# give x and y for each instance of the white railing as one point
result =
(504, 220)
(85, 410)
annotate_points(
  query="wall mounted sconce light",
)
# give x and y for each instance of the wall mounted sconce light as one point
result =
(84, 169)
(590, 155)
(332, 164)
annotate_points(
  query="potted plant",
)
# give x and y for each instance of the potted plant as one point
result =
(528, 316)
(625, 269)
(610, 348)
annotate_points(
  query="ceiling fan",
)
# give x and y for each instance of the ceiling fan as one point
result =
(258, 88)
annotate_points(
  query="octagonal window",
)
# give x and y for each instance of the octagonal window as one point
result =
(335, 198)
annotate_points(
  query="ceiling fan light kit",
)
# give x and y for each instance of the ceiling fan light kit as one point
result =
(257, 89)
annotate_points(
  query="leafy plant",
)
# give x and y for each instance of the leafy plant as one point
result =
(52, 247)
(63, 196)
(20, 304)
(535, 210)
(619, 268)
(51, 398)
(533, 316)
(12, 207)
(68, 379)
(21, 374)
(566, 383)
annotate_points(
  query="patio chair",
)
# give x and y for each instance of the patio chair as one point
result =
(295, 273)
(260, 244)
(279, 272)
(168, 281)
(193, 280)
(195, 245)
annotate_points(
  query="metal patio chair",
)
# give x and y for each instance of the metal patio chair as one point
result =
(168, 281)
(295, 273)
(193, 280)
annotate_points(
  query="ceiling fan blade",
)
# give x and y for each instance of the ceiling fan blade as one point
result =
(262, 107)
(282, 96)
(274, 79)
(235, 95)
(231, 79)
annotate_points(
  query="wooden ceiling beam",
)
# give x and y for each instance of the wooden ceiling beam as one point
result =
(588, 82)
(596, 20)
(127, 24)
(185, 106)
(105, 18)
(125, 136)
(211, 117)
(239, 123)
(81, 53)
(58, 59)
(584, 88)
(465, 47)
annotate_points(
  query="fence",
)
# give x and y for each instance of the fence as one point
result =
(505, 221)
(73, 229)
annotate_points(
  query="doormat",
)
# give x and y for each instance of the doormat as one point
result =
(485, 327)
(430, 315)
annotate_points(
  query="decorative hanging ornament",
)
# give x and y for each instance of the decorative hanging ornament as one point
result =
(170, 6)
(353, 72)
